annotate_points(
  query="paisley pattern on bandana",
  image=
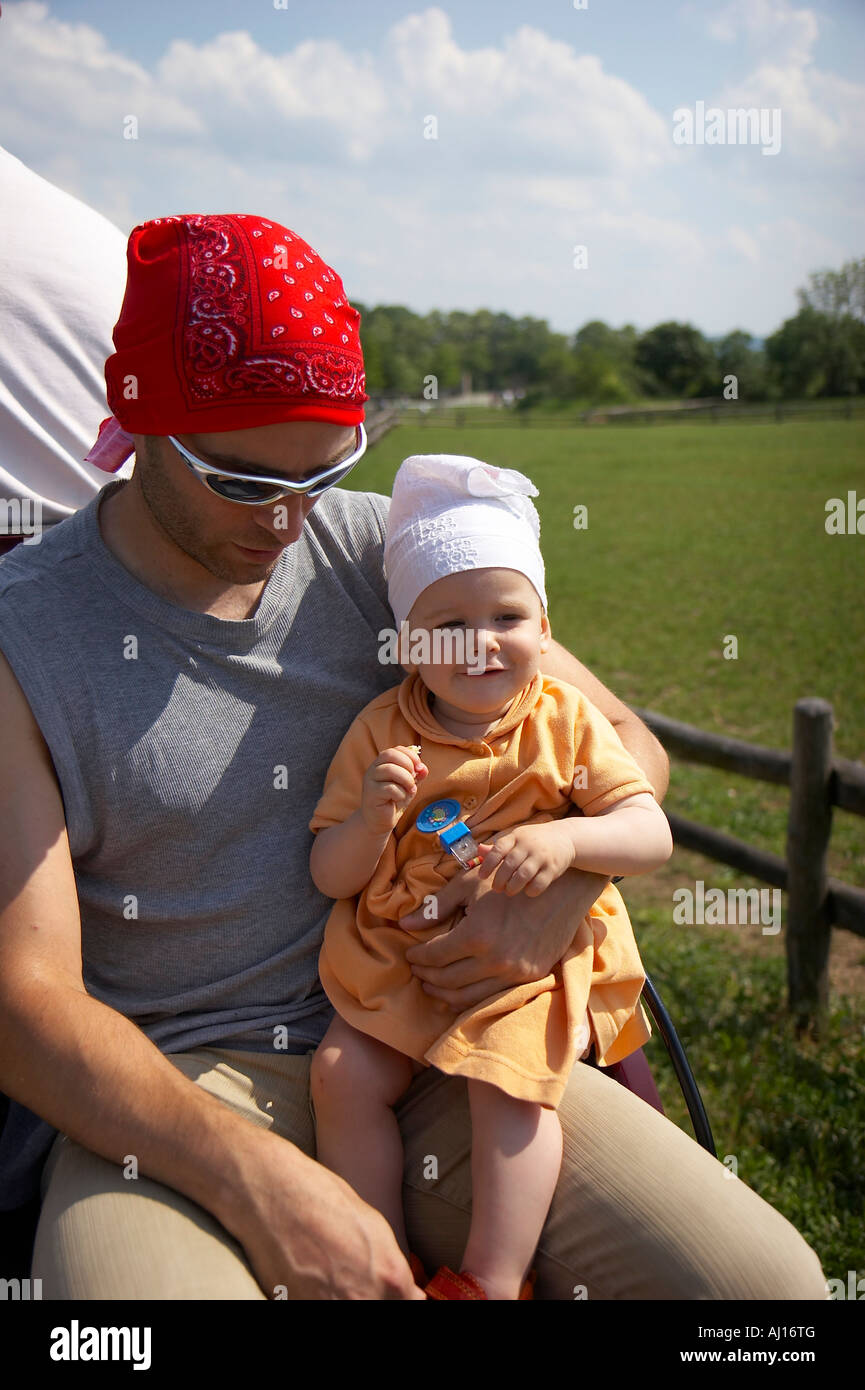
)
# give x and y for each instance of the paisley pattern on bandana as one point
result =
(230, 322)
(232, 308)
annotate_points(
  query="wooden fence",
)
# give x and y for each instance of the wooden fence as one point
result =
(691, 412)
(818, 782)
(727, 412)
(378, 422)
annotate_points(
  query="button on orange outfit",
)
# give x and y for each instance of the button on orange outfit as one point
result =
(524, 1038)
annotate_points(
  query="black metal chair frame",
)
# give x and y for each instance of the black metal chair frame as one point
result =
(684, 1075)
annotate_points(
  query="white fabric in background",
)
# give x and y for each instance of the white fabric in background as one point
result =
(62, 281)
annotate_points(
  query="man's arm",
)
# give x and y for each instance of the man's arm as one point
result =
(95, 1076)
(640, 742)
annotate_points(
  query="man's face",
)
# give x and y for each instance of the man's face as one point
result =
(237, 543)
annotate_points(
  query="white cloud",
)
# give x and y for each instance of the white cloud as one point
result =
(768, 27)
(822, 114)
(259, 97)
(532, 101)
(744, 243)
(65, 76)
(540, 147)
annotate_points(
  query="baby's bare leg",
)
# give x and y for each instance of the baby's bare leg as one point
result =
(354, 1082)
(516, 1157)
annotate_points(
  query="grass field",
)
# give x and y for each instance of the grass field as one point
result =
(695, 534)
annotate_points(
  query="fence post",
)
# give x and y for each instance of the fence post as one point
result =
(809, 932)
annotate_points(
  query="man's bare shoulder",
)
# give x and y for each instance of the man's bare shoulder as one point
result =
(40, 930)
(35, 560)
(23, 744)
(560, 664)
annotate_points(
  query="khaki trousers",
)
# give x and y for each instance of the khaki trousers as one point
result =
(640, 1210)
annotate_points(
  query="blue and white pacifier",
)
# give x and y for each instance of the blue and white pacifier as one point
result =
(442, 818)
(437, 815)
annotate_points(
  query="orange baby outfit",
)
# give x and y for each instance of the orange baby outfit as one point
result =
(522, 1039)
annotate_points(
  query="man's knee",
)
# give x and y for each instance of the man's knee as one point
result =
(104, 1233)
(662, 1218)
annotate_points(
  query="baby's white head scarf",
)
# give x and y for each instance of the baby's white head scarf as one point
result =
(450, 513)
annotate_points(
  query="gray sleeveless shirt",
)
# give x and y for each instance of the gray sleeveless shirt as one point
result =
(190, 752)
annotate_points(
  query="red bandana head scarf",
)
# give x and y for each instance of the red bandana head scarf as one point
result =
(228, 322)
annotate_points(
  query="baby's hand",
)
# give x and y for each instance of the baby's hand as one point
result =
(528, 859)
(389, 785)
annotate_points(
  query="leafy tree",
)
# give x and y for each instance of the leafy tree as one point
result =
(815, 354)
(617, 344)
(820, 351)
(677, 358)
(445, 366)
(736, 357)
(836, 293)
(558, 374)
(606, 367)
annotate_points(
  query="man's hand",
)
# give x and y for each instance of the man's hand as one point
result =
(500, 941)
(306, 1232)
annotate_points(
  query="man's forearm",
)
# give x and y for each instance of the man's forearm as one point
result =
(96, 1077)
(647, 753)
(640, 742)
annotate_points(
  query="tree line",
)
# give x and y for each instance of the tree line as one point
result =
(818, 352)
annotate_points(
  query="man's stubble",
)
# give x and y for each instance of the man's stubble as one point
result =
(172, 514)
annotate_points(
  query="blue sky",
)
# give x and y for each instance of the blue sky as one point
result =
(554, 130)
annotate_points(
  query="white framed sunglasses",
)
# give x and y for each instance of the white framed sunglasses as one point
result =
(259, 489)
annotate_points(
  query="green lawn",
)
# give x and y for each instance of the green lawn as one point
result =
(695, 533)
(791, 1111)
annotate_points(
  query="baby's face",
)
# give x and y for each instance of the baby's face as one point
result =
(485, 631)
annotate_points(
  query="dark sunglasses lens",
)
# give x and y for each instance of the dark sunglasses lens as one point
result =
(333, 482)
(241, 490)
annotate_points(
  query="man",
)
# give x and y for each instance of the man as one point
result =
(180, 663)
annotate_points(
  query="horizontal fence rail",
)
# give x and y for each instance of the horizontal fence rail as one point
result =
(818, 782)
(378, 422)
(727, 413)
(697, 412)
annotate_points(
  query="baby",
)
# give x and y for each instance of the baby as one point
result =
(475, 734)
